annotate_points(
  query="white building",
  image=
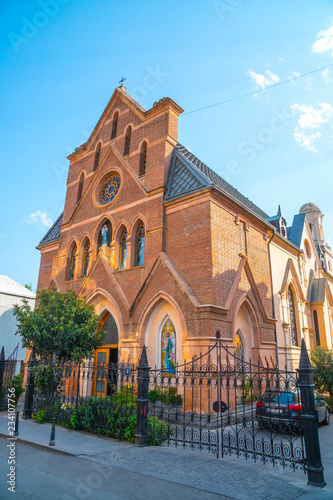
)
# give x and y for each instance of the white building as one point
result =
(12, 293)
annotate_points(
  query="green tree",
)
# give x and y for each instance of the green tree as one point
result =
(63, 326)
(322, 361)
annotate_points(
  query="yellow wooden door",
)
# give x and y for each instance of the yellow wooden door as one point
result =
(101, 372)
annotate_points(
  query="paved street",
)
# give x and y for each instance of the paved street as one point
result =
(93, 467)
(47, 474)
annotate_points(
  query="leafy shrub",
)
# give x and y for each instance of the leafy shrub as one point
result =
(158, 432)
(167, 396)
(322, 361)
(17, 384)
(40, 417)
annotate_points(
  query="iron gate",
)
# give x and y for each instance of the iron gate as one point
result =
(233, 407)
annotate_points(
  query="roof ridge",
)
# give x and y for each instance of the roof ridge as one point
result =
(219, 181)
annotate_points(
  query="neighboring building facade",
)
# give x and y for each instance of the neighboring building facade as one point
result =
(12, 293)
(302, 283)
(164, 248)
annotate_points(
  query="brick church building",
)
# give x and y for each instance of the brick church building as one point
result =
(165, 249)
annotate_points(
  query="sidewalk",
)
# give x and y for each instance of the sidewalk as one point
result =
(232, 477)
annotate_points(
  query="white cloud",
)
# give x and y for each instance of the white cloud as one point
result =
(306, 140)
(311, 117)
(39, 217)
(325, 76)
(324, 42)
(263, 81)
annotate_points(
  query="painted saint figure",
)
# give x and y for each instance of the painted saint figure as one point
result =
(105, 236)
(168, 348)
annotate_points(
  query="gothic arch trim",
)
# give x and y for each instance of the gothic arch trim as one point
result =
(139, 218)
(245, 300)
(101, 258)
(245, 266)
(290, 269)
(96, 299)
(152, 308)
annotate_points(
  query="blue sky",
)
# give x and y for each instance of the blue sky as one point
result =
(61, 60)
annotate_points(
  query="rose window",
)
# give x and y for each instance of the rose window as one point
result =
(109, 189)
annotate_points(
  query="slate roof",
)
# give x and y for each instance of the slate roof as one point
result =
(295, 232)
(53, 233)
(181, 183)
(317, 290)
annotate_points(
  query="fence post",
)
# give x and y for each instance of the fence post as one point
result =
(141, 434)
(29, 388)
(309, 418)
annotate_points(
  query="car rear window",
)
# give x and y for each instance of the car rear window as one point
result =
(282, 398)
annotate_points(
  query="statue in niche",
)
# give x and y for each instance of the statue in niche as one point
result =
(105, 236)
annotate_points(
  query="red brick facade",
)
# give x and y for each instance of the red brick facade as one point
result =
(206, 261)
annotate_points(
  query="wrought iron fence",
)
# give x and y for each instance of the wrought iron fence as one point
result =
(96, 397)
(227, 407)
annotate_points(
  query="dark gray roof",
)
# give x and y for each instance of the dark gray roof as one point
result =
(317, 290)
(198, 168)
(295, 232)
(53, 233)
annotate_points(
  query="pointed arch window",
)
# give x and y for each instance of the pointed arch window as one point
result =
(140, 245)
(168, 348)
(239, 349)
(97, 156)
(114, 125)
(316, 326)
(72, 264)
(127, 145)
(143, 158)
(80, 188)
(292, 318)
(86, 256)
(123, 250)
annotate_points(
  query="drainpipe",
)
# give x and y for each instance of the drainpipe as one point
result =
(272, 291)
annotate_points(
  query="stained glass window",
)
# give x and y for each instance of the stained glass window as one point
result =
(292, 317)
(109, 189)
(86, 261)
(168, 348)
(72, 268)
(239, 349)
(123, 250)
(140, 246)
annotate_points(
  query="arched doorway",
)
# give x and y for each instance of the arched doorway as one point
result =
(106, 357)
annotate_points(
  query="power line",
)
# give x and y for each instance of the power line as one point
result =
(258, 91)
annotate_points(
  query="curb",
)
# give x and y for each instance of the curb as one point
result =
(36, 445)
